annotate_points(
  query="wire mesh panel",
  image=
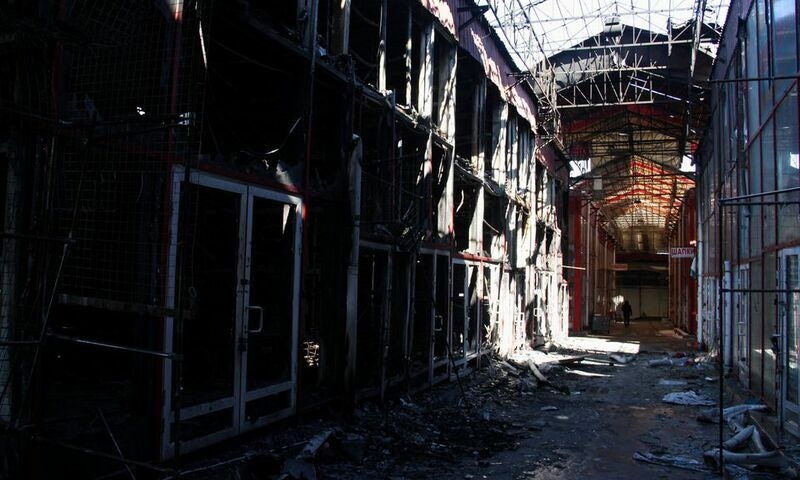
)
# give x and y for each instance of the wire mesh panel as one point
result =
(128, 90)
(86, 186)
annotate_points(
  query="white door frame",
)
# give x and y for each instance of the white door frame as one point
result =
(474, 317)
(237, 402)
(464, 290)
(784, 316)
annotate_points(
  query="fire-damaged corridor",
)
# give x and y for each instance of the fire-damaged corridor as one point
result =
(398, 238)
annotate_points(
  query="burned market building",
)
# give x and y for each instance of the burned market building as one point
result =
(221, 214)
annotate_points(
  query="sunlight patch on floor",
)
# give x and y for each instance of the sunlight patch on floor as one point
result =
(595, 344)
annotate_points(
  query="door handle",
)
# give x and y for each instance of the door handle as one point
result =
(260, 311)
(438, 324)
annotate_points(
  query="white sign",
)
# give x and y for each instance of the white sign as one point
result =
(681, 252)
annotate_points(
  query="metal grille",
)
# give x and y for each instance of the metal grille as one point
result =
(86, 185)
(128, 95)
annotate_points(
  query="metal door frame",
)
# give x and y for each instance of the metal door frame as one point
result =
(240, 397)
(464, 289)
(783, 317)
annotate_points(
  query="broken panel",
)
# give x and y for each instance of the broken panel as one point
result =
(246, 82)
(467, 193)
(324, 322)
(424, 291)
(331, 139)
(468, 109)
(377, 170)
(443, 84)
(441, 182)
(494, 225)
(441, 320)
(400, 53)
(493, 121)
(373, 285)
(365, 39)
(460, 311)
(285, 17)
(476, 308)
(402, 312)
(412, 192)
(491, 307)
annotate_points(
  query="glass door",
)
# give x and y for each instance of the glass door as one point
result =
(239, 252)
(270, 294)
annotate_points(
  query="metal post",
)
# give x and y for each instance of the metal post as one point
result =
(700, 286)
(381, 60)
(340, 42)
(351, 329)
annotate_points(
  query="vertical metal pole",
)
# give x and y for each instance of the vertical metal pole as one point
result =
(718, 340)
(727, 318)
(8, 273)
(587, 252)
(183, 209)
(351, 329)
(672, 290)
(340, 41)
(382, 48)
(700, 285)
(595, 247)
(407, 56)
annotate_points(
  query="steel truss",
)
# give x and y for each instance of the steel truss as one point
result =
(598, 53)
(627, 82)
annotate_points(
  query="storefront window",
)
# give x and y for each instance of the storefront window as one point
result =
(784, 45)
(752, 72)
(787, 156)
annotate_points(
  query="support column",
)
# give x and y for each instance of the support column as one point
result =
(340, 39)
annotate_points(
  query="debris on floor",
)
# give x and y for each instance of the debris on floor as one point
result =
(711, 415)
(755, 456)
(511, 419)
(689, 397)
(670, 362)
(672, 383)
(668, 460)
(622, 358)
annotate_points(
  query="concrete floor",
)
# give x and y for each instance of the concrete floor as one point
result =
(596, 430)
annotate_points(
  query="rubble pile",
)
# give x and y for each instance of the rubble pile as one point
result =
(414, 436)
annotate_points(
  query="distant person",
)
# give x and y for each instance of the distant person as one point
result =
(626, 313)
